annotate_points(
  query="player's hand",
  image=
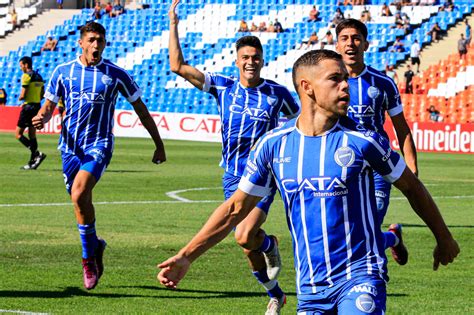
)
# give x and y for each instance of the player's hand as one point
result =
(172, 12)
(160, 155)
(38, 121)
(445, 252)
(173, 270)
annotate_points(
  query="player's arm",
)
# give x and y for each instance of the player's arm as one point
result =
(24, 90)
(218, 226)
(147, 121)
(405, 139)
(44, 114)
(177, 63)
(423, 204)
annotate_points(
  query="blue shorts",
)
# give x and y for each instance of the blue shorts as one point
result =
(382, 196)
(94, 160)
(361, 295)
(230, 183)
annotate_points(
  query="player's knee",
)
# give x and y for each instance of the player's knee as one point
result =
(80, 197)
(242, 237)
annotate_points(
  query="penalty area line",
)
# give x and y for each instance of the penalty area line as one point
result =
(174, 194)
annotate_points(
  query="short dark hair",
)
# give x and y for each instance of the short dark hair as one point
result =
(92, 27)
(27, 61)
(251, 41)
(352, 23)
(313, 58)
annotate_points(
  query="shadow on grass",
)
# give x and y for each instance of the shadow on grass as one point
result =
(424, 226)
(66, 293)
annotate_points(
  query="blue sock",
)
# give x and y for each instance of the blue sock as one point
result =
(268, 244)
(272, 287)
(88, 239)
(390, 239)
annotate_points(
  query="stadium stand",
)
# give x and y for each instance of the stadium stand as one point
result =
(138, 39)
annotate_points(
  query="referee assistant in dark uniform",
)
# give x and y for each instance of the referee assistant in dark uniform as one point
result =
(32, 90)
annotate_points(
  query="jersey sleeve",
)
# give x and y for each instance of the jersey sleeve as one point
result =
(128, 87)
(214, 82)
(382, 158)
(394, 103)
(54, 90)
(257, 177)
(290, 108)
(25, 80)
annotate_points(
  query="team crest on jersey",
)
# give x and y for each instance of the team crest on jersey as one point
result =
(344, 156)
(365, 303)
(97, 154)
(106, 79)
(373, 92)
(272, 100)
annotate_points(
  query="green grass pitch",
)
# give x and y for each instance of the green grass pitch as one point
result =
(40, 251)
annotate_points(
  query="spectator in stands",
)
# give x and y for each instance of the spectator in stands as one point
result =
(397, 46)
(253, 27)
(434, 32)
(60, 3)
(365, 16)
(14, 19)
(337, 18)
(415, 55)
(409, 74)
(278, 27)
(468, 32)
(97, 10)
(390, 72)
(50, 44)
(262, 27)
(243, 27)
(435, 115)
(313, 14)
(271, 27)
(108, 8)
(117, 9)
(386, 10)
(3, 97)
(328, 39)
(313, 39)
(462, 47)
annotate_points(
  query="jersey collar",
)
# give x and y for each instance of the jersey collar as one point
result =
(255, 87)
(84, 66)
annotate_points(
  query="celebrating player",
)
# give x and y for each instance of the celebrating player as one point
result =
(372, 94)
(248, 107)
(89, 86)
(322, 163)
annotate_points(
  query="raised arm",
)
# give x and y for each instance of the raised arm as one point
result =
(44, 114)
(177, 63)
(405, 140)
(422, 202)
(217, 227)
(147, 121)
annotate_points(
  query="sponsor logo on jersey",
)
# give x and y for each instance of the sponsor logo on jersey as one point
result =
(97, 154)
(360, 110)
(364, 288)
(344, 156)
(89, 97)
(323, 186)
(280, 160)
(70, 78)
(106, 79)
(254, 113)
(373, 92)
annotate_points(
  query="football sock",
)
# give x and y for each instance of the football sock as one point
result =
(390, 239)
(268, 244)
(34, 147)
(88, 239)
(272, 287)
(24, 140)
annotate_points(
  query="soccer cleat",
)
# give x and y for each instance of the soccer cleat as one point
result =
(99, 254)
(273, 261)
(399, 251)
(27, 166)
(275, 305)
(38, 160)
(90, 272)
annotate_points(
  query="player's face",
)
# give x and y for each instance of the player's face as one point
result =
(92, 44)
(351, 45)
(23, 67)
(329, 88)
(250, 62)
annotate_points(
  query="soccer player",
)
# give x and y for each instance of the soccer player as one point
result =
(32, 90)
(248, 106)
(372, 95)
(89, 86)
(321, 163)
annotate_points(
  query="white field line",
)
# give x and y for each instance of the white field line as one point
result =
(174, 194)
(22, 312)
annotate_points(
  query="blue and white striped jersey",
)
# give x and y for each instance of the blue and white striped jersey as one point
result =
(89, 95)
(327, 188)
(372, 94)
(246, 114)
